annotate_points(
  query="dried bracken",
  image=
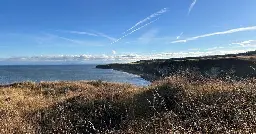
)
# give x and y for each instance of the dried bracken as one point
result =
(179, 103)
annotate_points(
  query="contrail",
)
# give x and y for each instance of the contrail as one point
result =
(135, 30)
(191, 6)
(106, 36)
(70, 40)
(148, 18)
(64, 38)
(77, 32)
(253, 28)
(178, 37)
(98, 34)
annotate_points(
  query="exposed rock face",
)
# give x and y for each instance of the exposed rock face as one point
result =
(210, 67)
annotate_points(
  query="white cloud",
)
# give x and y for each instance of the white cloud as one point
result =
(214, 48)
(217, 33)
(52, 37)
(106, 36)
(120, 58)
(179, 41)
(113, 52)
(78, 32)
(191, 6)
(135, 30)
(194, 49)
(148, 36)
(49, 40)
(148, 18)
(248, 43)
(96, 34)
(70, 40)
(178, 37)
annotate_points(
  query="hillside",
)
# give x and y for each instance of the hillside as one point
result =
(175, 104)
(233, 65)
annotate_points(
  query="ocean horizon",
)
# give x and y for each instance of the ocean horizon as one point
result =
(37, 73)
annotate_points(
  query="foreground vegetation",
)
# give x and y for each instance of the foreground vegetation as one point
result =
(179, 103)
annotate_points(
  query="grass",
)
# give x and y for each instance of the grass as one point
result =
(179, 103)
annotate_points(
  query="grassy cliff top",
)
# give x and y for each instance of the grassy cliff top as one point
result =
(179, 103)
(251, 55)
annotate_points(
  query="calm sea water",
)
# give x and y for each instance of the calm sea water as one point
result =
(11, 74)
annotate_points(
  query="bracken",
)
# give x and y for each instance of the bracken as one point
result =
(179, 103)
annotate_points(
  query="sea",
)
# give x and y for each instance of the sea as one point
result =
(36, 73)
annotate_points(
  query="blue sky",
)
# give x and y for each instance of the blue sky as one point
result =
(90, 31)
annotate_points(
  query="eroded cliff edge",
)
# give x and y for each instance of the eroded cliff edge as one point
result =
(234, 66)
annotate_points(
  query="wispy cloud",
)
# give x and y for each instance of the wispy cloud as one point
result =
(70, 40)
(113, 52)
(96, 34)
(106, 36)
(53, 36)
(214, 48)
(148, 36)
(217, 33)
(78, 32)
(138, 26)
(135, 30)
(192, 6)
(48, 39)
(178, 37)
(147, 19)
(118, 58)
(194, 49)
(247, 43)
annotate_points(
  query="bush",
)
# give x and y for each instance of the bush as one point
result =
(179, 103)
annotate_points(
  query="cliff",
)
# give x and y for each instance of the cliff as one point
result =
(233, 65)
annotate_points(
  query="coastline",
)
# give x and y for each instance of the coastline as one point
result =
(147, 77)
(17, 74)
(207, 104)
(237, 67)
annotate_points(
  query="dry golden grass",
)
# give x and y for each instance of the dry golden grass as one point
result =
(252, 57)
(21, 104)
(178, 103)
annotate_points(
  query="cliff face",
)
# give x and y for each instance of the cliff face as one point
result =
(211, 67)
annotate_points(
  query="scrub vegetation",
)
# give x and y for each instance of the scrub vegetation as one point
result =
(186, 102)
